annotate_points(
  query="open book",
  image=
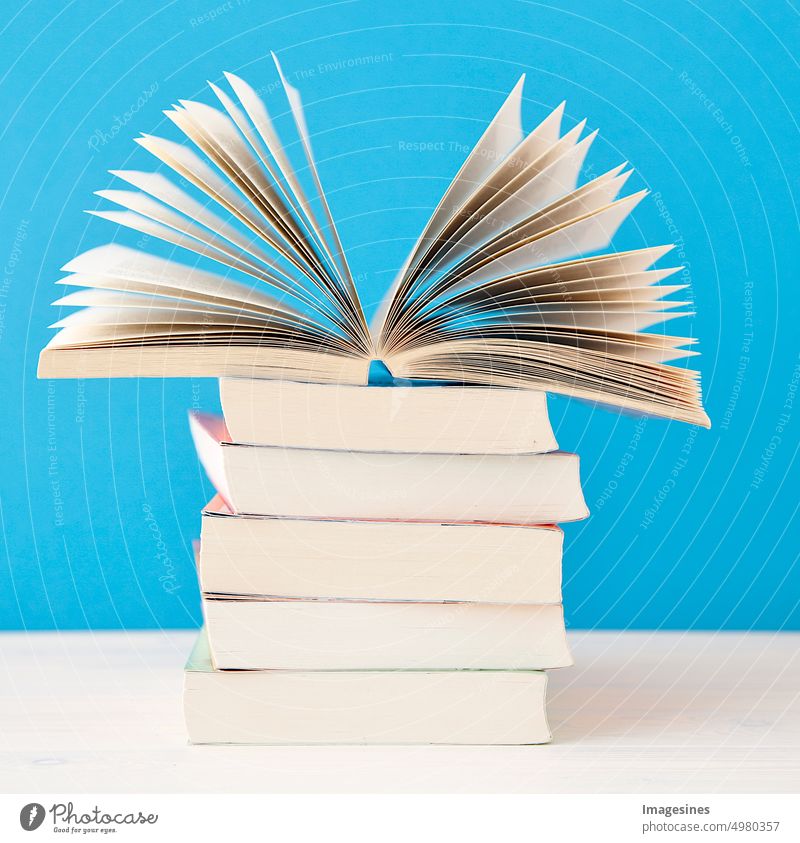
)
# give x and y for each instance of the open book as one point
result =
(508, 284)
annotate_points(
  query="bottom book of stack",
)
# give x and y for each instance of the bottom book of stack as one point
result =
(362, 706)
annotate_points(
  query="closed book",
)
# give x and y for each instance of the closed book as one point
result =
(288, 634)
(305, 482)
(405, 419)
(378, 560)
(362, 707)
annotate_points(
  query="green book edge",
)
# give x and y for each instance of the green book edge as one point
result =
(200, 661)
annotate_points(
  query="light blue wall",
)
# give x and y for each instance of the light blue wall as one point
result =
(690, 529)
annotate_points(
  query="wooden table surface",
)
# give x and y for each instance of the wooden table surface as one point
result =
(640, 712)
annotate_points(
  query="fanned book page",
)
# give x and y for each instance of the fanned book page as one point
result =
(510, 284)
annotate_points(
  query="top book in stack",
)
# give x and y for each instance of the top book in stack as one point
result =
(398, 419)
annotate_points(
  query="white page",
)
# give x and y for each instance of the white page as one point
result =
(563, 214)
(231, 155)
(96, 297)
(617, 269)
(291, 185)
(137, 222)
(283, 198)
(589, 234)
(586, 313)
(123, 263)
(162, 189)
(296, 106)
(189, 165)
(501, 136)
(556, 179)
(186, 163)
(607, 318)
(175, 315)
(146, 206)
(218, 127)
(516, 170)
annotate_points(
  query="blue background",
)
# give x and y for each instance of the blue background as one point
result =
(100, 488)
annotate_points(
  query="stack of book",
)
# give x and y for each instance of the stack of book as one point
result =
(379, 565)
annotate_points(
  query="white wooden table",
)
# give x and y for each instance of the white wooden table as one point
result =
(640, 712)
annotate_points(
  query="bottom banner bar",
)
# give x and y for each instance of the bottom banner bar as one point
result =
(384, 819)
